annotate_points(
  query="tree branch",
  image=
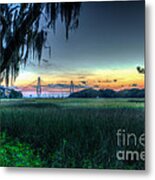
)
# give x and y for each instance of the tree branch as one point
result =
(16, 39)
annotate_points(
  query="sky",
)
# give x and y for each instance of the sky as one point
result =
(103, 52)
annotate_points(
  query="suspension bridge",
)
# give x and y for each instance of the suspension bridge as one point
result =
(41, 89)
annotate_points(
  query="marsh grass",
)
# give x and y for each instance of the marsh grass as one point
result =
(74, 133)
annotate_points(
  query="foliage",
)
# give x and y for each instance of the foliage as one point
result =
(74, 133)
(13, 153)
(24, 29)
(15, 94)
(140, 70)
(109, 93)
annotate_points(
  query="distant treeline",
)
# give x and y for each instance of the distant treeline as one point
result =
(109, 93)
(9, 93)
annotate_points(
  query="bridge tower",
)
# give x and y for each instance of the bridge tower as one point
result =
(71, 87)
(38, 87)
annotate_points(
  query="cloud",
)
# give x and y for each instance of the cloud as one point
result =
(96, 86)
(115, 80)
(134, 85)
(65, 86)
(84, 82)
(107, 81)
(82, 77)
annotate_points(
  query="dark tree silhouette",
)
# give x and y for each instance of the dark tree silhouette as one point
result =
(140, 70)
(24, 29)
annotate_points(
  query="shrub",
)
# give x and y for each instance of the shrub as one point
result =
(13, 153)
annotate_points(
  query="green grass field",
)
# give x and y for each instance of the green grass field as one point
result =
(73, 133)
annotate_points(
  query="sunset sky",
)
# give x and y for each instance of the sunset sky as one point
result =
(103, 52)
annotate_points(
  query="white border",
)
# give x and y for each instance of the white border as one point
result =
(70, 174)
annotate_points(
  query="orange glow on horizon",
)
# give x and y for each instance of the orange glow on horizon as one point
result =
(100, 79)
